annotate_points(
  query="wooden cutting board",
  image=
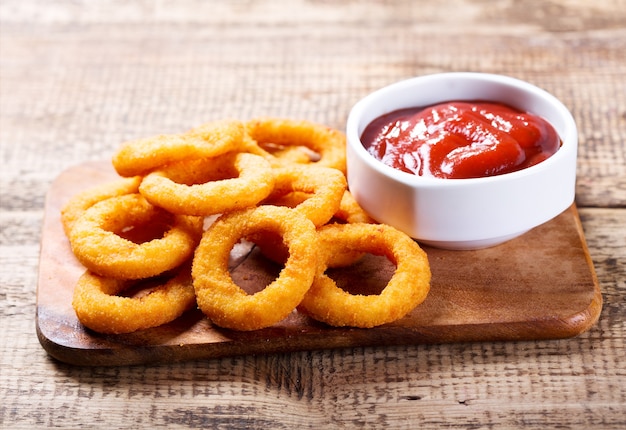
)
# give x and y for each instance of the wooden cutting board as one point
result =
(541, 285)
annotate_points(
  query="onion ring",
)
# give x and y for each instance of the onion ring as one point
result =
(97, 242)
(141, 156)
(223, 301)
(349, 212)
(99, 308)
(327, 143)
(80, 202)
(324, 187)
(221, 184)
(406, 289)
(291, 155)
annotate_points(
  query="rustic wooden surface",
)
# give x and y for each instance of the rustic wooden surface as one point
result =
(77, 78)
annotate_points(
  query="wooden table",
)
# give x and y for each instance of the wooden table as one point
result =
(78, 78)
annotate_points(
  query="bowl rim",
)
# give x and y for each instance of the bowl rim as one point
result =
(354, 122)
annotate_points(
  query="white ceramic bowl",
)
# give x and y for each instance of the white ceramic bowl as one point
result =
(462, 213)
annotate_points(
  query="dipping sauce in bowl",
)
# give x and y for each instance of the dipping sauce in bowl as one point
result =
(483, 177)
(460, 140)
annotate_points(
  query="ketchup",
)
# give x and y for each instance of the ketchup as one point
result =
(460, 140)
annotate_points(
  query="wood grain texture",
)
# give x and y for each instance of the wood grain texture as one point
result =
(78, 78)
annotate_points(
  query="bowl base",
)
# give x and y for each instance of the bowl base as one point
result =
(468, 245)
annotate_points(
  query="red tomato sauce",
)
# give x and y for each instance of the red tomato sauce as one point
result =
(460, 140)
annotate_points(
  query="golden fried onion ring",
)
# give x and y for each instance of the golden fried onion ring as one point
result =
(352, 213)
(211, 185)
(99, 308)
(406, 289)
(323, 186)
(80, 202)
(141, 156)
(96, 241)
(223, 301)
(328, 144)
(349, 212)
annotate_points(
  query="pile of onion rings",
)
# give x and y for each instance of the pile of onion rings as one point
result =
(156, 242)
